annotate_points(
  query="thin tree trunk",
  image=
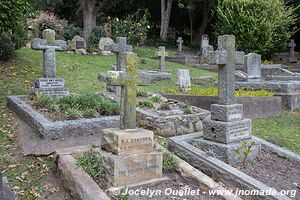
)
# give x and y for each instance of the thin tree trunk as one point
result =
(205, 19)
(166, 8)
(89, 17)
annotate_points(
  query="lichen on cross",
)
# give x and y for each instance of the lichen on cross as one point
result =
(128, 80)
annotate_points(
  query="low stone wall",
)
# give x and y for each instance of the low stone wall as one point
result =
(254, 107)
(58, 129)
(171, 125)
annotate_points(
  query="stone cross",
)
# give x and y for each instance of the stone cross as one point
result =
(179, 44)
(162, 54)
(119, 48)
(128, 80)
(292, 46)
(226, 57)
(49, 45)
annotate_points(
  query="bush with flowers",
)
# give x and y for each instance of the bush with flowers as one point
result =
(134, 27)
(47, 20)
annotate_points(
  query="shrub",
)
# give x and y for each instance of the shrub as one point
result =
(47, 20)
(146, 104)
(19, 35)
(71, 31)
(7, 46)
(169, 162)
(96, 34)
(134, 26)
(261, 26)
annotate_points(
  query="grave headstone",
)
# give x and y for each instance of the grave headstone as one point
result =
(162, 55)
(179, 45)
(205, 48)
(227, 125)
(183, 79)
(253, 66)
(102, 43)
(49, 85)
(127, 152)
(5, 191)
(119, 48)
(292, 46)
(77, 43)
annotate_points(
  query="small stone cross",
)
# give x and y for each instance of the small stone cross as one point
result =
(292, 46)
(179, 44)
(119, 48)
(226, 58)
(128, 80)
(49, 45)
(162, 55)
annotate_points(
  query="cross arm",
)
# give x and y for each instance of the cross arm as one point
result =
(109, 47)
(220, 57)
(40, 44)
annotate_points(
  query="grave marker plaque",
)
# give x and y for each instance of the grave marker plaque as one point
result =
(79, 44)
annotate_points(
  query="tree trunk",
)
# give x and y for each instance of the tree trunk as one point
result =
(166, 7)
(89, 17)
(205, 19)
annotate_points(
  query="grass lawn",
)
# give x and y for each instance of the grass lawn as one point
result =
(80, 73)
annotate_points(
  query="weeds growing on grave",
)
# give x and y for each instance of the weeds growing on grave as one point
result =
(93, 166)
(76, 106)
(199, 91)
(146, 104)
(244, 153)
(169, 162)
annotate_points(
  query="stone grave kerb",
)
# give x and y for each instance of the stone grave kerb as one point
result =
(162, 54)
(119, 48)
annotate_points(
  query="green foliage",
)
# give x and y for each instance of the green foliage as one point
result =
(7, 46)
(155, 42)
(11, 13)
(19, 35)
(244, 153)
(261, 26)
(169, 162)
(141, 93)
(93, 165)
(47, 20)
(134, 26)
(155, 98)
(87, 105)
(96, 34)
(146, 104)
(73, 113)
(212, 91)
(71, 31)
(187, 111)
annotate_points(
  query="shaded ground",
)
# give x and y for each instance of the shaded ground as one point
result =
(174, 188)
(276, 172)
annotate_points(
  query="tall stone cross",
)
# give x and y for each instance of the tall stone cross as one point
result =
(128, 80)
(162, 55)
(49, 45)
(179, 44)
(292, 46)
(226, 57)
(119, 48)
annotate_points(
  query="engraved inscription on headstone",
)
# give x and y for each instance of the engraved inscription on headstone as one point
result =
(45, 83)
(183, 79)
(79, 44)
(253, 65)
(204, 40)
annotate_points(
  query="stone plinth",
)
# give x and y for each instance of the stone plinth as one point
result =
(128, 157)
(227, 113)
(50, 87)
(127, 142)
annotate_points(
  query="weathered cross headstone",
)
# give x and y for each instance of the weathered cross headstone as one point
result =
(128, 148)
(119, 48)
(253, 66)
(205, 48)
(183, 79)
(292, 46)
(179, 44)
(49, 85)
(227, 125)
(162, 55)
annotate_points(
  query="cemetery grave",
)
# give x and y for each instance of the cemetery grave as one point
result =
(226, 148)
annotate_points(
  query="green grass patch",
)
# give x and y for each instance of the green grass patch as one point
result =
(213, 91)
(85, 105)
(283, 130)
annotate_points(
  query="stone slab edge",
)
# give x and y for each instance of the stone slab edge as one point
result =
(81, 185)
(186, 170)
(59, 129)
(282, 152)
(180, 146)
